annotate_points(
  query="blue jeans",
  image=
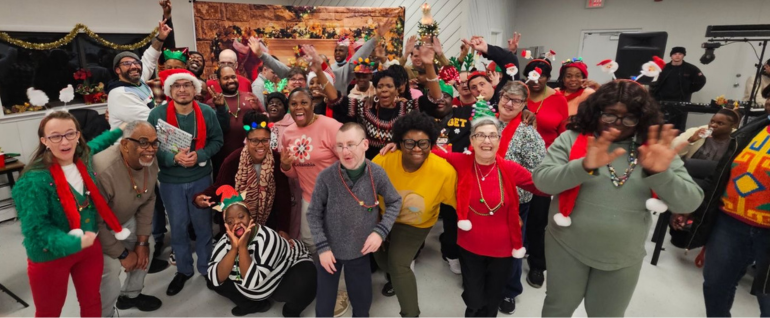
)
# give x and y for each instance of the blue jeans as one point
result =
(159, 219)
(732, 247)
(514, 288)
(358, 281)
(178, 199)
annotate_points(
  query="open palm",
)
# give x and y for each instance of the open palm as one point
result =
(657, 154)
(597, 152)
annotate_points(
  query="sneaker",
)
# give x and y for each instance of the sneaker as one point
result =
(508, 306)
(535, 278)
(177, 284)
(141, 302)
(388, 290)
(342, 304)
(454, 266)
(172, 258)
(259, 306)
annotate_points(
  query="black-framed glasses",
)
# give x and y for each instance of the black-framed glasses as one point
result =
(72, 135)
(505, 99)
(409, 144)
(145, 143)
(482, 137)
(628, 121)
(350, 146)
(130, 63)
(257, 141)
(182, 85)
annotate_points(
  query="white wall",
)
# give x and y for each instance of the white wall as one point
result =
(557, 25)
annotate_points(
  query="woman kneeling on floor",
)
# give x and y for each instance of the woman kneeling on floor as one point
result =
(253, 263)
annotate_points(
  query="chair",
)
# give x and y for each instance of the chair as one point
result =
(699, 170)
(91, 122)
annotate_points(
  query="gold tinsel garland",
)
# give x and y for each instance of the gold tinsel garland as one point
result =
(71, 36)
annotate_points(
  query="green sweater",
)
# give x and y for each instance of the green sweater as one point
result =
(609, 224)
(43, 222)
(173, 173)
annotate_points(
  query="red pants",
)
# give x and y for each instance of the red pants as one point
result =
(49, 280)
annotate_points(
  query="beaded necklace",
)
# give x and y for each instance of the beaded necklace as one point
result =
(133, 183)
(481, 192)
(361, 202)
(238, 95)
(632, 161)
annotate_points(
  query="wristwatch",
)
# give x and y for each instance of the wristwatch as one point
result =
(124, 255)
(143, 243)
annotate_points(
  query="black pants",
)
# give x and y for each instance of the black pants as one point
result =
(358, 278)
(297, 289)
(484, 279)
(448, 239)
(536, 223)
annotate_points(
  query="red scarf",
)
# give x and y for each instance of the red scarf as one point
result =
(508, 132)
(67, 199)
(574, 95)
(568, 197)
(200, 135)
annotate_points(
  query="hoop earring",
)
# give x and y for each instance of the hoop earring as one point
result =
(376, 99)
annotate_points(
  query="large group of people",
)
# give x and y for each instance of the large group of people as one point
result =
(323, 174)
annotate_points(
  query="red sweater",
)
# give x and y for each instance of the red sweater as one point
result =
(551, 116)
(492, 235)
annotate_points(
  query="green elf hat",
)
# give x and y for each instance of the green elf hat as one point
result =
(229, 197)
(446, 88)
(175, 54)
(482, 109)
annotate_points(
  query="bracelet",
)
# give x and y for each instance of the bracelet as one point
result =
(159, 40)
(324, 87)
(142, 243)
(435, 101)
(432, 79)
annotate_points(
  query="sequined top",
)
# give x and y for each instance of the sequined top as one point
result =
(527, 148)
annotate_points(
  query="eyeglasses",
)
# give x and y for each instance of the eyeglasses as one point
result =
(129, 64)
(409, 144)
(230, 64)
(350, 146)
(505, 99)
(185, 86)
(482, 137)
(628, 121)
(72, 135)
(257, 141)
(297, 80)
(144, 143)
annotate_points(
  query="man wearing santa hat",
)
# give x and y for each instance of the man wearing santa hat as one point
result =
(679, 79)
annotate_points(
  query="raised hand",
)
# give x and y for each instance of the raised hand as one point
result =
(384, 27)
(255, 46)
(495, 77)
(87, 240)
(598, 154)
(203, 201)
(695, 137)
(437, 46)
(166, 6)
(410, 43)
(231, 235)
(427, 55)
(287, 159)
(477, 43)
(315, 58)
(240, 48)
(513, 43)
(244, 240)
(163, 30)
(218, 98)
(372, 244)
(657, 154)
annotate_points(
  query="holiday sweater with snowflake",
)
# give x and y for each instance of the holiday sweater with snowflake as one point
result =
(43, 222)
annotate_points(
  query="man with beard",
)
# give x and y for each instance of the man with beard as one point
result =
(130, 98)
(196, 63)
(763, 83)
(126, 175)
(230, 106)
(230, 58)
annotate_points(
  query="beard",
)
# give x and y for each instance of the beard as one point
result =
(146, 164)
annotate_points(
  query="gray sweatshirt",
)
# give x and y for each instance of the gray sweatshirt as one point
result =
(339, 223)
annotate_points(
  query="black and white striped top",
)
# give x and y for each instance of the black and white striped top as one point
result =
(271, 258)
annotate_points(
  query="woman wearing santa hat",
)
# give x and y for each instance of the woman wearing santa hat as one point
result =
(574, 83)
(603, 173)
(58, 204)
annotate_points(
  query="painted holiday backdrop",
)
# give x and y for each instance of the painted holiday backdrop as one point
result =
(218, 25)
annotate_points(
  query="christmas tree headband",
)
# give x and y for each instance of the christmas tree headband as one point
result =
(229, 197)
(482, 109)
(271, 87)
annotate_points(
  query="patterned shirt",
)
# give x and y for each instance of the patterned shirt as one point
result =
(527, 148)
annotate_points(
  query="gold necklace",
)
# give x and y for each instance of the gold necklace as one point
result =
(481, 193)
(238, 94)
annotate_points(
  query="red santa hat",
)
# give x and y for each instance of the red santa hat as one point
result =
(169, 77)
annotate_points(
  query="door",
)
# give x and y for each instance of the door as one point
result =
(598, 45)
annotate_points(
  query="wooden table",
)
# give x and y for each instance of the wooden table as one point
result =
(10, 168)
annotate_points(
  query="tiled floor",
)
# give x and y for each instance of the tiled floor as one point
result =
(673, 288)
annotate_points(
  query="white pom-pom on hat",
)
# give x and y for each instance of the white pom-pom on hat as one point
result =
(123, 234)
(76, 232)
(561, 220)
(656, 205)
(519, 252)
(464, 225)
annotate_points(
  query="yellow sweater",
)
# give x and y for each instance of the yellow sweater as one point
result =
(422, 191)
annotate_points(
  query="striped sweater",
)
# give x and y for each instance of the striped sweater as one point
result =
(271, 258)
